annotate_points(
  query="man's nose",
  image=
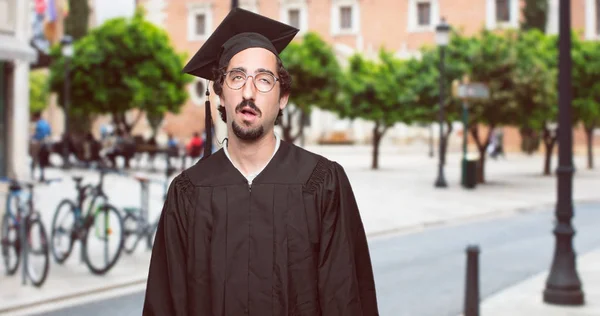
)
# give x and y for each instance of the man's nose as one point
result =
(249, 90)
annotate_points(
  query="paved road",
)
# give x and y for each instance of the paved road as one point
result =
(423, 273)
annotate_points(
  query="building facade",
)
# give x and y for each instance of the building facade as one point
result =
(16, 56)
(350, 26)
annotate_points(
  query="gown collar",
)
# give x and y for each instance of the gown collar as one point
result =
(253, 175)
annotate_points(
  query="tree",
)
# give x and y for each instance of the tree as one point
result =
(535, 91)
(427, 81)
(77, 22)
(123, 64)
(314, 71)
(586, 89)
(377, 91)
(535, 15)
(493, 62)
(38, 91)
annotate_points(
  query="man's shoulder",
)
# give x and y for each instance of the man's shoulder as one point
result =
(313, 169)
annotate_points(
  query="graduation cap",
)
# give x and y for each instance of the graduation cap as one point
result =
(240, 30)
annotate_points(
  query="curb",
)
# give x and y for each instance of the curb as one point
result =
(59, 298)
(410, 229)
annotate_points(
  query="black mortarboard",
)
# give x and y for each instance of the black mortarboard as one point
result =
(239, 30)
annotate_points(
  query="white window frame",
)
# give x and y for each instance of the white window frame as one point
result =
(491, 22)
(300, 5)
(249, 5)
(336, 5)
(193, 10)
(197, 97)
(591, 22)
(8, 21)
(413, 16)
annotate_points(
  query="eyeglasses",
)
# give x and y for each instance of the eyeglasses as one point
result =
(263, 81)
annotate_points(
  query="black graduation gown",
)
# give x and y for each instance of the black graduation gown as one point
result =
(292, 243)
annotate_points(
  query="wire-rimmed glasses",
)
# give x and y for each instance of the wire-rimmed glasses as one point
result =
(263, 81)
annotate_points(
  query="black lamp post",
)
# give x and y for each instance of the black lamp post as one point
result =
(442, 38)
(234, 4)
(563, 286)
(67, 52)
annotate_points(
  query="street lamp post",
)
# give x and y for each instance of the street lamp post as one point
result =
(563, 286)
(67, 52)
(442, 39)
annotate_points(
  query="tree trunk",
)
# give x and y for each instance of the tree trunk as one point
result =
(549, 142)
(445, 144)
(481, 147)
(376, 139)
(378, 132)
(287, 125)
(589, 133)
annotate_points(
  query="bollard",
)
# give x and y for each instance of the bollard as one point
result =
(472, 282)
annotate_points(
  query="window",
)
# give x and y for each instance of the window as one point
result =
(345, 17)
(199, 21)
(423, 15)
(502, 11)
(502, 14)
(197, 91)
(424, 12)
(200, 24)
(294, 18)
(295, 13)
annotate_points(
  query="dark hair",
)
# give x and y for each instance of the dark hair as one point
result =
(285, 82)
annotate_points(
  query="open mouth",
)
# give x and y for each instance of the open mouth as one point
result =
(248, 111)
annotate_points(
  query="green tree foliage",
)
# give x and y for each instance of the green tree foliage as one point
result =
(493, 62)
(586, 89)
(123, 64)
(535, 15)
(38, 91)
(536, 90)
(76, 23)
(379, 91)
(315, 71)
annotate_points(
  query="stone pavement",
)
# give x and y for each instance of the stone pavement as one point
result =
(399, 197)
(526, 298)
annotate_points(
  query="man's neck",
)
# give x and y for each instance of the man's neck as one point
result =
(251, 156)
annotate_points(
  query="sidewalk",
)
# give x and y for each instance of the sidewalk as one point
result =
(398, 197)
(526, 298)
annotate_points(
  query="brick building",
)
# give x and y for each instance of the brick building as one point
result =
(351, 26)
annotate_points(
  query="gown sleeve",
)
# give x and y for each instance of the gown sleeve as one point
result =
(166, 292)
(346, 283)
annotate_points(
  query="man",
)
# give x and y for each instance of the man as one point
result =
(38, 145)
(260, 227)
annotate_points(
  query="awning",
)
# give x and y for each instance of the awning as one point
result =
(13, 49)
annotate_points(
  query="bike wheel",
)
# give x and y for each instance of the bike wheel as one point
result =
(38, 254)
(131, 236)
(62, 231)
(10, 244)
(103, 241)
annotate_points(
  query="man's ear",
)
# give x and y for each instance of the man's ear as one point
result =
(283, 101)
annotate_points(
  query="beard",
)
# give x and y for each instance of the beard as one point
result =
(250, 134)
(247, 134)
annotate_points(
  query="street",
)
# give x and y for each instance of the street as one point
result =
(423, 273)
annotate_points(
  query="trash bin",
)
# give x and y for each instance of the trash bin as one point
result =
(470, 173)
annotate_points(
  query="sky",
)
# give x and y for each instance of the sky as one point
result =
(108, 9)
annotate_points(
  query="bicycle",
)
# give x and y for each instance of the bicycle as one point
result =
(136, 223)
(100, 221)
(23, 233)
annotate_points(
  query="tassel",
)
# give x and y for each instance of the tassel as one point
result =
(207, 125)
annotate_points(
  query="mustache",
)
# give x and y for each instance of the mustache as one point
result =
(250, 104)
